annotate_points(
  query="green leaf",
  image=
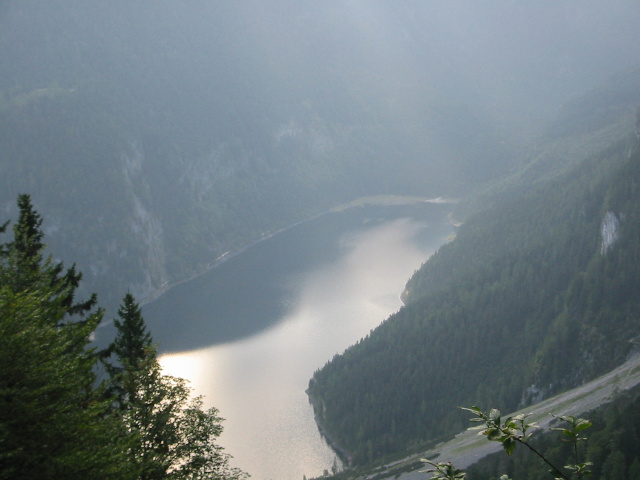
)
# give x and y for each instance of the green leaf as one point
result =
(582, 425)
(509, 445)
(494, 416)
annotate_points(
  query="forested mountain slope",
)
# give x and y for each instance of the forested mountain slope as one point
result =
(154, 139)
(533, 296)
(584, 125)
(155, 136)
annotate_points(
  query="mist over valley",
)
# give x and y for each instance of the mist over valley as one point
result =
(216, 159)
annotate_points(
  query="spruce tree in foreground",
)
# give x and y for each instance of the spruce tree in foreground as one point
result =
(132, 341)
(56, 420)
(131, 347)
(173, 436)
(53, 420)
(25, 268)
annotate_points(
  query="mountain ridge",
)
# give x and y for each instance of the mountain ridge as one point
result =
(527, 298)
(155, 139)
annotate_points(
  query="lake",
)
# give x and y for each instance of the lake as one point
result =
(250, 333)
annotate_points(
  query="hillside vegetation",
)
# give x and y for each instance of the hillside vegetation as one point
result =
(533, 296)
(155, 138)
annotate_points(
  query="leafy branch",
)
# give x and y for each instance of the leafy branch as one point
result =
(513, 431)
(573, 434)
(444, 471)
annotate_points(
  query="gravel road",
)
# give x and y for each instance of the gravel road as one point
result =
(468, 447)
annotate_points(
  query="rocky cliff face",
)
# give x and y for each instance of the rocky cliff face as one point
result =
(608, 231)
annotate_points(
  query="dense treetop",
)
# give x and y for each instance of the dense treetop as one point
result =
(58, 418)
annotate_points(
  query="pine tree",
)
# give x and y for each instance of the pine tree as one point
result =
(132, 341)
(131, 347)
(173, 436)
(55, 420)
(24, 266)
(26, 248)
(52, 421)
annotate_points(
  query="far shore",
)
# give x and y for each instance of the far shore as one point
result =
(372, 200)
(390, 200)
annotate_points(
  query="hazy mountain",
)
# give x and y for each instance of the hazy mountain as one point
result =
(156, 135)
(536, 294)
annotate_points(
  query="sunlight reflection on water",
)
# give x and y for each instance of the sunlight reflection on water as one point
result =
(258, 383)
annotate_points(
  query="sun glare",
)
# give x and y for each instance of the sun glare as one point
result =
(186, 365)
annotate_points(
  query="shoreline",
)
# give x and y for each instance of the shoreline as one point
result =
(420, 206)
(372, 200)
(345, 457)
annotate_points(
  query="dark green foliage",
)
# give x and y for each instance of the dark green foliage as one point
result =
(171, 435)
(26, 268)
(523, 303)
(132, 342)
(516, 431)
(444, 471)
(53, 421)
(56, 419)
(27, 245)
(131, 347)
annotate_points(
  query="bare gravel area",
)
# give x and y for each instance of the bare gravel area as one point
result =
(468, 447)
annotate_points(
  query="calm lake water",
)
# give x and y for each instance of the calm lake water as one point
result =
(250, 333)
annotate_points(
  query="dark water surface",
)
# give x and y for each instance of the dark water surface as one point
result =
(250, 333)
